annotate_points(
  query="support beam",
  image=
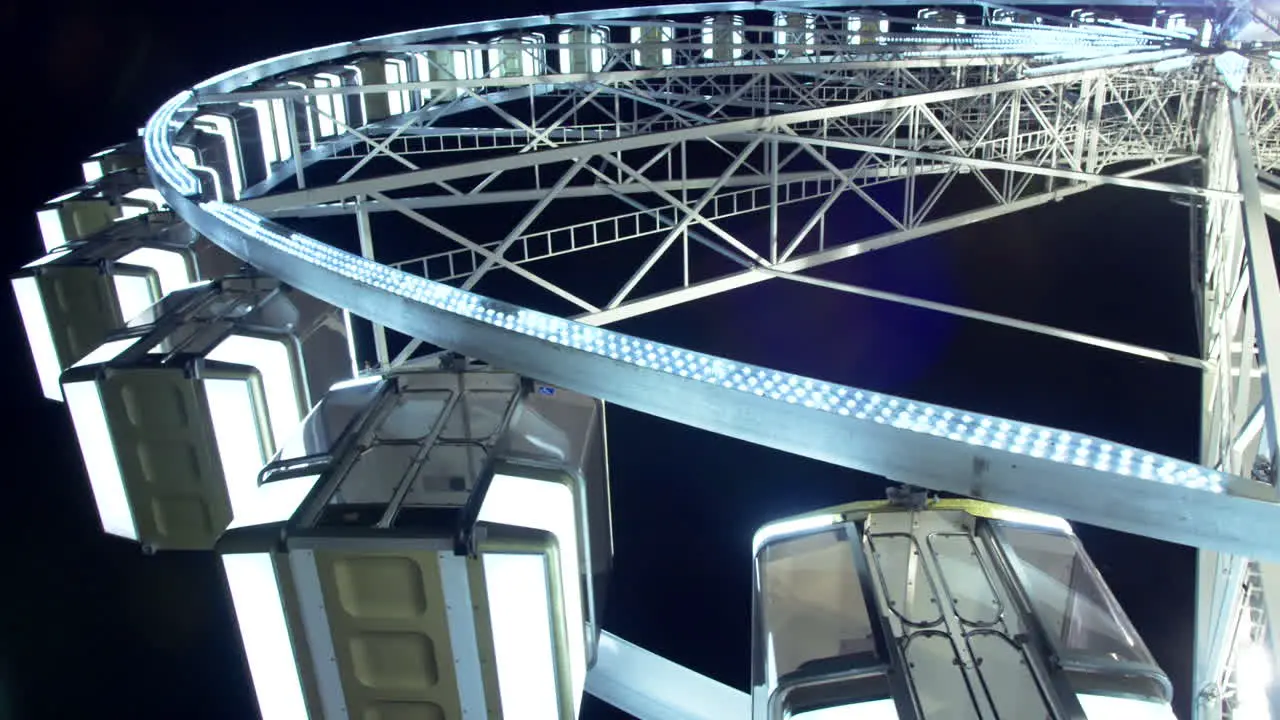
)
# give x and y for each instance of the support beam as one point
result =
(485, 253)
(694, 235)
(981, 164)
(693, 213)
(601, 189)
(376, 145)
(366, 249)
(650, 687)
(1246, 315)
(607, 147)
(410, 120)
(295, 147)
(543, 135)
(615, 78)
(407, 352)
(1264, 286)
(646, 305)
(1060, 333)
(1270, 576)
(1220, 579)
(773, 202)
(690, 214)
(514, 233)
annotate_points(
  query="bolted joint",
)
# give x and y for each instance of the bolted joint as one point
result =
(907, 496)
(1209, 694)
(1263, 471)
(453, 362)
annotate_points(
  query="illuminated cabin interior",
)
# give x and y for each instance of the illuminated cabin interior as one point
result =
(371, 70)
(654, 45)
(113, 249)
(73, 297)
(400, 68)
(452, 64)
(584, 49)
(334, 114)
(941, 609)
(1083, 16)
(517, 56)
(267, 134)
(239, 150)
(1006, 16)
(118, 191)
(176, 413)
(942, 16)
(723, 37)
(448, 560)
(1192, 24)
(124, 156)
(795, 34)
(866, 28)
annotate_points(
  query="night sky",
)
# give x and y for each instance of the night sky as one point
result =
(89, 627)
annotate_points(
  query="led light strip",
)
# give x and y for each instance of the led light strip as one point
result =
(1106, 62)
(858, 405)
(157, 139)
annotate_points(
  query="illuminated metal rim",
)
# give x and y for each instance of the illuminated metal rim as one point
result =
(859, 511)
(977, 508)
(941, 448)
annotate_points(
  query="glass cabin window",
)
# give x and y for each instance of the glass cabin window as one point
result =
(815, 617)
(397, 71)
(1073, 603)
(172, 302)
(224, 128)
(135, 291)
(1102, 707)
(871, 710)
(324, 425)
(274, 359)
(324, 105)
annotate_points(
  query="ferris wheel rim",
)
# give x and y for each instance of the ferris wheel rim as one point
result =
(843, 425)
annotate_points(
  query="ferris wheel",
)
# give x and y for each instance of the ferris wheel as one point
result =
(406, 475)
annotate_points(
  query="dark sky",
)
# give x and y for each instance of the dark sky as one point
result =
(90, 627)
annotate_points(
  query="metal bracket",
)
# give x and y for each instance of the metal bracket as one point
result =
(908, 496)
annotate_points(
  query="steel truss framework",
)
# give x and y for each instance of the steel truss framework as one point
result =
(788, 127)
